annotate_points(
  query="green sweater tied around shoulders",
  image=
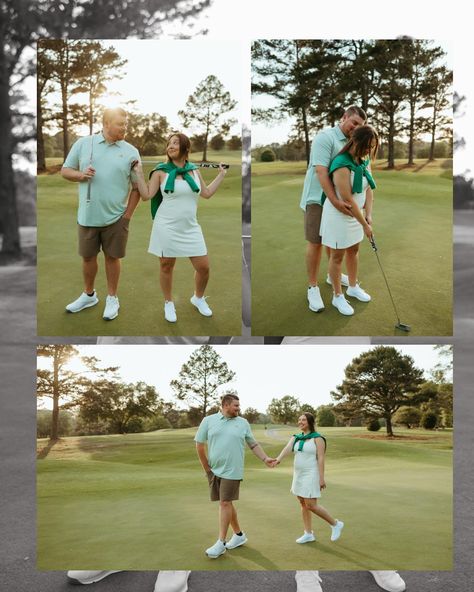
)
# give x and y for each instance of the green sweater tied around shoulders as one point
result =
(361, 170)
(301, 438)
(173, 171)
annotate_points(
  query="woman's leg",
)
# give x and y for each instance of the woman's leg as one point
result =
(166, 276)
(305, 514)
(313, 506)
(201, 275)
(335, 265)
(352, 263)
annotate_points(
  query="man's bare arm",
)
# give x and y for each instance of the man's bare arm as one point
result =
(77, 176)
(322, 173)
(133, 200)
(201, 452)
(260, 453)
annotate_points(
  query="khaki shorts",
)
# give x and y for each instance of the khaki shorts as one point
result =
(112, 239)
(222, 489)
(312, 223)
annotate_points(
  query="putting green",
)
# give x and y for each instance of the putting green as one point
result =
(140, 501)
(141, 301)
(413, 231)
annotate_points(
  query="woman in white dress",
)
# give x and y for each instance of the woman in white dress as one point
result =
(176, 187)
(343, 234)
(309, 450)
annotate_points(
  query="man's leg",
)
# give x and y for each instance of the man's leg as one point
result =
(226, 512)
(313, 262)
(112, 271)
(89, 273)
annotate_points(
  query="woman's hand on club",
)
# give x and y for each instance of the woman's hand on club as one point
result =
(322, 484)
(368, 231)
(222, 169)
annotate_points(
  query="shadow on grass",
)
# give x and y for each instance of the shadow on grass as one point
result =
(43, 453)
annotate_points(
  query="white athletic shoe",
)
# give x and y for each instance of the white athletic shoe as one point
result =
(111, 308)
(358, 292)
(314, 298)
(88, 577)
(170, 312)
(389, 581)
(308, 581)
(236, 541)
(307, 537)
(336, 530)
(172, 581)
(217, 549)
(84, 301)
(201, 305)
(342, 305)
(344, 280)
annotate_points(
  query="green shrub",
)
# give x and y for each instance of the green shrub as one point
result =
(373, 425)
(429, 420)
(267, 155)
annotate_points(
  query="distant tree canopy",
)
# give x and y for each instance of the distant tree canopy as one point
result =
(403, 84)
(284, 410)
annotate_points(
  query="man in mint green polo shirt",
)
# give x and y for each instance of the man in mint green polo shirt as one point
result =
(226, 435)
(325, 146)
(102, 166)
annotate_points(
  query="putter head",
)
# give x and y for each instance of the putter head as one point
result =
(403, 327)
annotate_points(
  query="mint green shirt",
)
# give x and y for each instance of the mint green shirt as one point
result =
(325, 146)
(110, 185)
(226, 439)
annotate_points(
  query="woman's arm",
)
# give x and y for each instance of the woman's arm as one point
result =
(147, 191)
(208, 191)
(321, 451)
(342, 181)
(288, 448)
(369, 202)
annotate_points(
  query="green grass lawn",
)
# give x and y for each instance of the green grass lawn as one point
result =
(413, 230)
(141, 301)
(140, 501)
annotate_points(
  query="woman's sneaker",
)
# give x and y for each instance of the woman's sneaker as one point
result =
(88, 577)
(336, 530)
(217, 549)
(201, 305)
(307, 537)
(342, 305)
(170, 312)
(357, 292)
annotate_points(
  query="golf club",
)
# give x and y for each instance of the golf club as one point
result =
(203, 165)
(399, 325)
(89, 181)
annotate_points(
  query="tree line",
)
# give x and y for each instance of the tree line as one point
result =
(404, 85)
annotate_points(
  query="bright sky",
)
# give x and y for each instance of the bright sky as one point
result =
(308, 372)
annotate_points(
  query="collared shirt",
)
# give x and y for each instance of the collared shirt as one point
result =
(226, 438)
(325, 146)
(110, 185)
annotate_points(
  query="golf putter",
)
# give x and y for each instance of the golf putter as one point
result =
(89, 181)
(399, 325)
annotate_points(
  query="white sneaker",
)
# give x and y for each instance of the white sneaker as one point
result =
(236, 541)
(342, 305)
(336, 530)
(389, 580)
(307, 537)
(357, 292)
(84, 301)
(170, 312)
(88, 577)
(201, 305)
(314, 298)
(172, 581)
(344, 280)
(308, 581)
(111, 308)
(217, 549)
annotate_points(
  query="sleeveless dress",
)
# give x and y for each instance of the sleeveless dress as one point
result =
(339, 231)
(306, 471)
(175, 231)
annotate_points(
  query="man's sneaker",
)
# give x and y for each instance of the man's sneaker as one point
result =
(344, 280)
(336, 530)
(308, 581)
(358, 292)
(201, 305)
(217, 549)
(172, 581)
(84, 301)
(88, 577)
(111, 308)
(314, 298)
(389, 580)
(307, 537)
(170, 312)
(236, 541)
(342, 305)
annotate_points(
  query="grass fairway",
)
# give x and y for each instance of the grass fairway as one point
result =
(141, 301)
(413, 230)
(141, 502)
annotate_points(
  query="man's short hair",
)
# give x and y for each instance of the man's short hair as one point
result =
(226, 399)
(112, 113)
(355, 110)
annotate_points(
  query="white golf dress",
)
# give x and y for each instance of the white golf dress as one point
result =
(306, 471)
